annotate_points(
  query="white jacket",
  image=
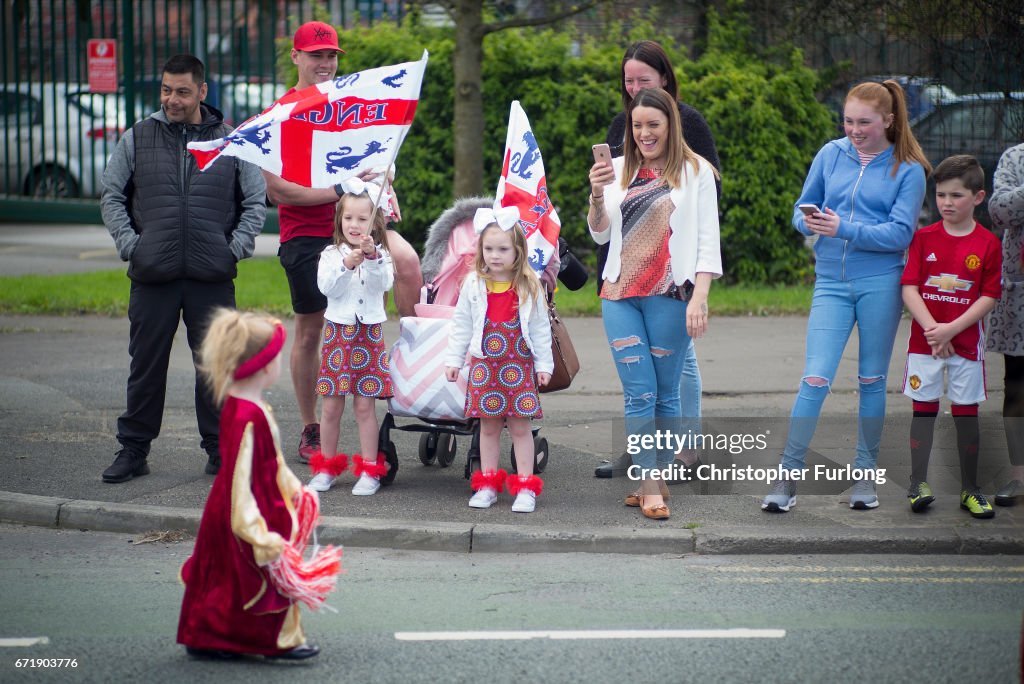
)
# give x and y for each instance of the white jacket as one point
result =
(468, 326)
(354, 296)
(693, 243)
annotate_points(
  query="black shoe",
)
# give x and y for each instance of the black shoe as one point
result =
(609, 469)
(213, 463)
(210, 654)
(298, 653)
(128, 464)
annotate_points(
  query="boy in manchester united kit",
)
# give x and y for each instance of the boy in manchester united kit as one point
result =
(950, 283)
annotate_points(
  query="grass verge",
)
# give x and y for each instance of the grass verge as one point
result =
(261, 285)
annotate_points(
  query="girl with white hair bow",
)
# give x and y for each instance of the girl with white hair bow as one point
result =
(354, 274)
(501, 319)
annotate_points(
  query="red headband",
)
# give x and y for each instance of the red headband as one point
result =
(264, 356)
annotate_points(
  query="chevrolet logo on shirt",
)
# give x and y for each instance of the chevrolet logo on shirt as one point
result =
(948, 282)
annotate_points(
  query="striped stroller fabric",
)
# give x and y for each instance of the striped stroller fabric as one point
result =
(418, 385)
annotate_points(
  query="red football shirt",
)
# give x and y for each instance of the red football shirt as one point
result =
(952, 273)
(305, 220)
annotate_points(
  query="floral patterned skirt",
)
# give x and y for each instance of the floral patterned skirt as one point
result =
(502, 383)
(354, 361)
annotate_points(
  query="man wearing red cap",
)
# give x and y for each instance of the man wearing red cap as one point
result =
(307, 225)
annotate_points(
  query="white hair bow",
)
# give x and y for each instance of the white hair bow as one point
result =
(357, 186)
(505, 217)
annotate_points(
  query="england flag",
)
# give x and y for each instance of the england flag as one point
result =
(326, 133)
(524, 185)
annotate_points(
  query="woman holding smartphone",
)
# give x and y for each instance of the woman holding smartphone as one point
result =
(646, 65)
(659, 194)
(869, 187)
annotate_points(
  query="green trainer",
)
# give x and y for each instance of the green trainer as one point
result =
(976, 504)
(920, 495)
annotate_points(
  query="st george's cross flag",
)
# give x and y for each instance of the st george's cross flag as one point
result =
(326, 133)
(524, 185)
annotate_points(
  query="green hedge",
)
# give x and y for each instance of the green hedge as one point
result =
(765, 120)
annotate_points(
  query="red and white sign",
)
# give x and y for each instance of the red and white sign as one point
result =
(102, 63)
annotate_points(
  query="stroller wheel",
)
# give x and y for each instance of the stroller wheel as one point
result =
(540, 450)
(446, 448)
(540, 456)
(472, 462)
(391, 456)
(428, 448)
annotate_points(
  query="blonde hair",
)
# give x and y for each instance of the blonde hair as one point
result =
(379, 230)
(524, 280)
(888, 98)
(232, 338)
(679, 153)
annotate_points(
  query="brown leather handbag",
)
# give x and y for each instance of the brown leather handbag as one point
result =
(567, 365)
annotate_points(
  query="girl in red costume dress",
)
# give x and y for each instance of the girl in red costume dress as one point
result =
(246, 574)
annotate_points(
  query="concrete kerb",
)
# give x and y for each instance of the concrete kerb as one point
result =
(490, 538)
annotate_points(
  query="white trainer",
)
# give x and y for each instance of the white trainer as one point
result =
(366, 485)
(321, 482)
(484, 498)
(526, 502)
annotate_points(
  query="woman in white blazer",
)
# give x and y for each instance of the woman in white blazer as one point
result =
(657, 209)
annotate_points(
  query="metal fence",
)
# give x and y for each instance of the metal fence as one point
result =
(962, 66)
(58, 133)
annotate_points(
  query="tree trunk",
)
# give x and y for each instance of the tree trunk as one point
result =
(469, 107)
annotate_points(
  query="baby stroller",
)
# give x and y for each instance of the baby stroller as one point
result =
(417, 358)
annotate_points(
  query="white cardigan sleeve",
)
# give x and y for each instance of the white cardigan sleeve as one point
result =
(540, 337)
(379, 273)
(331, 275)
(462, 327)
(709, 253)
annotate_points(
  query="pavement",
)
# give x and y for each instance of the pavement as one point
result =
(62, 387)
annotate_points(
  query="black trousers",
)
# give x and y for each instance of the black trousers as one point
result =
(1013, 407)
(154, 312)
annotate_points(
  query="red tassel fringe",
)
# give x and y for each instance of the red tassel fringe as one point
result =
(332, 465)
(494, 479)
(308, 582)
(531, 484)
(376, 470)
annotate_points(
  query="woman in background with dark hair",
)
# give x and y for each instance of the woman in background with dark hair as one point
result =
(645, 65)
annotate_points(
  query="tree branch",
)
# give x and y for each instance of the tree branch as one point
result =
(539, 21)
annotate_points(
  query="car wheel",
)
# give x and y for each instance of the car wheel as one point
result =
(51, 181)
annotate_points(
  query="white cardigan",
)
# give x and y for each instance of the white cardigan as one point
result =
(693, 243)
(468, 326)
(354, 295)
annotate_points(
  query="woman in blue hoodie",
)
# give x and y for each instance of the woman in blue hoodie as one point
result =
(866, 190)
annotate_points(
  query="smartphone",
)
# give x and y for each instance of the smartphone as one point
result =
(809, 209)
(602, 154)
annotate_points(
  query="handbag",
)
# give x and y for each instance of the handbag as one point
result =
(567, 365)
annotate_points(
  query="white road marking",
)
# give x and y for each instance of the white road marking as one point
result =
(738, 633)
(23, 641)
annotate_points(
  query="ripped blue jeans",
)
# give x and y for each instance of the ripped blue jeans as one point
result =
(649, 346)
(875, 304)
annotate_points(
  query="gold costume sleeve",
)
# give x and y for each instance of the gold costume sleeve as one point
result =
(246, 520)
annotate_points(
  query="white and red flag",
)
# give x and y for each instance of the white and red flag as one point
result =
(326, 133)
(524, 185)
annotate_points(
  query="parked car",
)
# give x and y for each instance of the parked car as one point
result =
(980, 124)
(57, 138)
(237, 97)
(240, 99)
(923, 93)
